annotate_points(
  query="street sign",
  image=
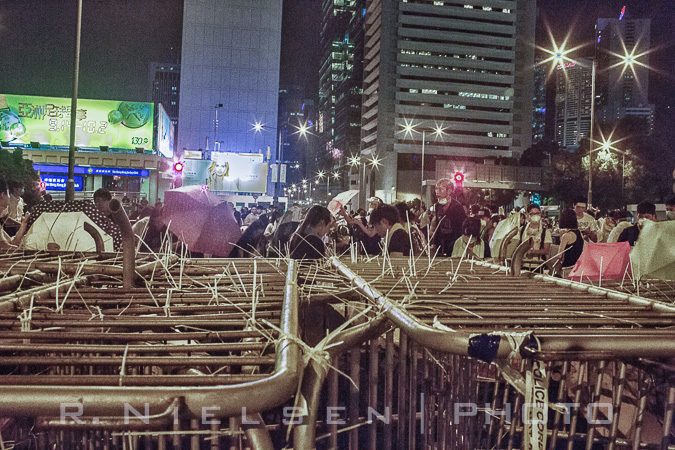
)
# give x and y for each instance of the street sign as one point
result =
(275, 173)
(283, 173)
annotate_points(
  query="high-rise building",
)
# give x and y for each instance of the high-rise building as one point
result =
(622, 87)
(539, 103)
(165, 87)
(349, 93)
(339, 84)
(463, 66)
(230, 75)
(296, 150)
(574, 84)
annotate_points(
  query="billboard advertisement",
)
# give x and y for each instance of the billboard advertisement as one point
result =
(228, 172)
(165, 133)
(25, 119)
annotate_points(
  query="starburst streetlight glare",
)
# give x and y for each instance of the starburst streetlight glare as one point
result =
(320, 175)
(336, 175)
(257, 127)
(354, 161)
(375, 162)
(557, 54)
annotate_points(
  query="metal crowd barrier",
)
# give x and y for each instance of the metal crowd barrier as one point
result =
(195, 356)
(475, 350)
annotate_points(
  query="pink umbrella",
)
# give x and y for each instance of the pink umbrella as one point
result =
(201, 220)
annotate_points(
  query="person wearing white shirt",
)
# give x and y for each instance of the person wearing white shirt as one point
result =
(586, 223)
(5, 240)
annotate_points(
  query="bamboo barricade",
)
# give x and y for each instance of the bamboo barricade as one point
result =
(199, 354)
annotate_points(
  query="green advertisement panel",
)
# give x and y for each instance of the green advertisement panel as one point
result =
(25, 119)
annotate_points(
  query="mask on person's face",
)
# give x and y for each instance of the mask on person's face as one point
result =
(535, 219)
(443, 201)
(670, 215)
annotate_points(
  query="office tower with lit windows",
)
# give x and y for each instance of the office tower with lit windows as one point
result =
(229, 75)
(574, 85)
(339, 120)
(165, 87)
(622, 75)
(466, 67)
(539, 103)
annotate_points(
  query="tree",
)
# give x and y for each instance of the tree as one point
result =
(13, 167)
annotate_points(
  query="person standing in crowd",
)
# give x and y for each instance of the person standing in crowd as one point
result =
(448, 218)
(670, 208)
(470, 238)
(16, 205)
(252, 216)
(621, 223)
(102, 199)
(571, 241)
(307, 242)
(534, 229)
(386, 222)
(646, 211)
(5, 240)
(585, 221)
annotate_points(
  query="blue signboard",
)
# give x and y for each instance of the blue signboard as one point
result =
(46, 168)
(58, 182)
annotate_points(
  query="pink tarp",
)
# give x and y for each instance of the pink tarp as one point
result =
(602, 261)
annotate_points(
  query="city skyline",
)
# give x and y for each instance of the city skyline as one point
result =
(120, 39)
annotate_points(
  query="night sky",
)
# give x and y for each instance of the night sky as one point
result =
(120, 38)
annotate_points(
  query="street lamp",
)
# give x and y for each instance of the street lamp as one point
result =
(302, 130)
(409, 128)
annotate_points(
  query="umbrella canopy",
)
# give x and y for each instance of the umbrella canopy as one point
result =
(201, 220)
(67, 231)
(341, 200)
(654, 254)
(85, 206)
(602, 262)
(503, 228)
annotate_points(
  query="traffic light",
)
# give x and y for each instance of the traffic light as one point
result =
(459, 179)
(178, 167)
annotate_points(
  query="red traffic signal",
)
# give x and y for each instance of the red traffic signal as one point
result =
(459, 178)
(178, 167)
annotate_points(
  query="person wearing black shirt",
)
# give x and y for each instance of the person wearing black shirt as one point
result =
(386, 223)
(646, 211)
(307, 241)
(448, 218)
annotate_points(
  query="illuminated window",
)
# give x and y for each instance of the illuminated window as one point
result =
(468, 6)
(429, 91)
(487, 8)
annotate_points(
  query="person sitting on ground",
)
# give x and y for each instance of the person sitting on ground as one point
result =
(252, 242)
(5, 240)
(646, 211)
(409, 222)
(470, 238)
(386, 222)
(571, 240)
(307, 242)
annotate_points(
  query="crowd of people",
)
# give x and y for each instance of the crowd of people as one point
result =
(448, 228)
